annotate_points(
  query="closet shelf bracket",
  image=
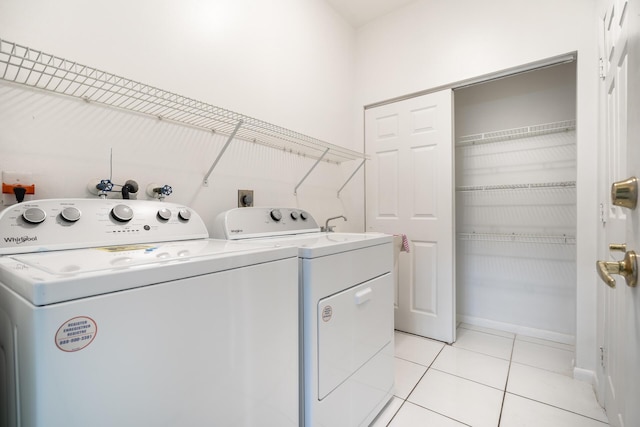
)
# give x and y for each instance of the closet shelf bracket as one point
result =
(295, 190)
(205, 182)
(351, 177)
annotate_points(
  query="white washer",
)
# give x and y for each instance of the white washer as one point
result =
(150, 323)
(347, 300)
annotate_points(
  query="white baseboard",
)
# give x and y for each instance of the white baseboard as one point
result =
(587, 376)
(517, 329)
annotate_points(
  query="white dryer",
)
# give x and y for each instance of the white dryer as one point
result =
(124, 313)
(347, 304)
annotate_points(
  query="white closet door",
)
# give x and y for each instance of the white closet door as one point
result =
(409, 190)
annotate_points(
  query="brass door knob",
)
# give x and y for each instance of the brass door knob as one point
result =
(625, 193)
(628, 268)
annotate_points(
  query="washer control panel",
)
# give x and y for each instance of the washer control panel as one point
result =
(246, 223)
(55, 224)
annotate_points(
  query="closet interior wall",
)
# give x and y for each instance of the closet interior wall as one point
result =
(515, 158)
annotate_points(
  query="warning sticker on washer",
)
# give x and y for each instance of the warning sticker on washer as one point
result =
(327, 312)
(75, 334)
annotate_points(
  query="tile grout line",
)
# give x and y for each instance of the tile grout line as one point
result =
(417, 382)
(425, 372)
(559, 408)
(541, 368)
(511, 362)
(487, 354)
(549, 345)
(515, 337)
(416, 363)
(504, 395)
(467, 379)
(457, 376)
(436, 412)
(491, 333)
(484, 354)
(396, 413)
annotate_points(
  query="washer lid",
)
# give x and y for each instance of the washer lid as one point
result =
(51, 277)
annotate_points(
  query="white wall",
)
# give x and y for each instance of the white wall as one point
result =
(430, 43)
(287, 62)
(542, 96)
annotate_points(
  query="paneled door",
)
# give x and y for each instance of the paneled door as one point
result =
(619, 312)
(409, 190)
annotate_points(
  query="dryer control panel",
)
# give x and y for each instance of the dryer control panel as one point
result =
(247, 223)
(56, 224)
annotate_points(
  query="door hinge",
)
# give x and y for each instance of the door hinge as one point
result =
(602, 356)
(603, 218)
(601, 69)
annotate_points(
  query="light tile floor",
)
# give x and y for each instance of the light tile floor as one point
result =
(488, 378)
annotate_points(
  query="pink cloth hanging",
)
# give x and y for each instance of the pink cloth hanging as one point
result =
(405, 242)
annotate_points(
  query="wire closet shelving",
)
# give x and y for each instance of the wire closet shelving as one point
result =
(517, 133)
(468, 141)
(531, 186)
(563, 239)
(26, 66)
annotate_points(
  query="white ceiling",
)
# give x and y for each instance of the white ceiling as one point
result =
(359, 12)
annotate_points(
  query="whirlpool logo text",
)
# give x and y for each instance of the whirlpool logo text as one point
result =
(19, 240)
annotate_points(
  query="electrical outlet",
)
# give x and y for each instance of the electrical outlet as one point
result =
(21, 180)
(245, 198)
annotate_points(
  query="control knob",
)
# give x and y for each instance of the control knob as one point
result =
(164, 214)
(294, 215)
(122, 213)
(276, 215)
(34, 215)
(184, 214)
(304, 215)
(70, 214)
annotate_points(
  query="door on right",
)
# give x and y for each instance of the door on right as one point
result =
(619, 231)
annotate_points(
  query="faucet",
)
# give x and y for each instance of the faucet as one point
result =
(326, 224)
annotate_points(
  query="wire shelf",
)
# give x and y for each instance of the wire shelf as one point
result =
(37, 69)
(533, 186)
(563, 239)
(517, 133)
